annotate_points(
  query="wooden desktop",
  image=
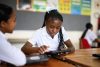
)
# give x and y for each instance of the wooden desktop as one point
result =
(51, 63)
(81, 58)
(84, 58)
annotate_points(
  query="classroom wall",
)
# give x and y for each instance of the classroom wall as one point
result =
(27, 22)
(9, 2)
(34, 20)
(95, 9)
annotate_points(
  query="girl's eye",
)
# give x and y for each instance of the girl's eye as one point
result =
(51, 26)
(58, 27)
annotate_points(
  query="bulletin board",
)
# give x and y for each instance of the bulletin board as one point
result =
(77, 7)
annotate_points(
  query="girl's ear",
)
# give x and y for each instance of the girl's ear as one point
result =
(3, 24)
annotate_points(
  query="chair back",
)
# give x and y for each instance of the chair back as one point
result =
(84, 44)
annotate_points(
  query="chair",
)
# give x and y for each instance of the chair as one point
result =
(84, 44)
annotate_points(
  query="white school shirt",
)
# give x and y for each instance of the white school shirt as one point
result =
(90, 36)
(41, 37)
(9, 53)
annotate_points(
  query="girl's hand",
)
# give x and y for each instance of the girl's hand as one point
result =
(42, 49)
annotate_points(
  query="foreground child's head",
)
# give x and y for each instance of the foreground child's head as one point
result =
(7, 19)
(53, 22)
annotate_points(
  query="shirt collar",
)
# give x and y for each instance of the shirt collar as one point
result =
(1, 33)
(89, 30)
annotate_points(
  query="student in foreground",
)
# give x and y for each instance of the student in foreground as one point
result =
(50, 37)
(9, 53)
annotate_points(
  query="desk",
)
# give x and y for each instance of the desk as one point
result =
(51, 63)
(83, 57)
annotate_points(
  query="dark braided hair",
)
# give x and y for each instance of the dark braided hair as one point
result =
(5, 12)
(88, 26)
(54, 14)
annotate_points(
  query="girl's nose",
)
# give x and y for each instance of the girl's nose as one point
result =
(54, 30)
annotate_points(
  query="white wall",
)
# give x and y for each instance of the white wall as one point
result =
(18, 38)
(95, 9)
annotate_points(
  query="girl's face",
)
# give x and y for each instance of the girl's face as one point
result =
(53, 26)
(8, 27)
